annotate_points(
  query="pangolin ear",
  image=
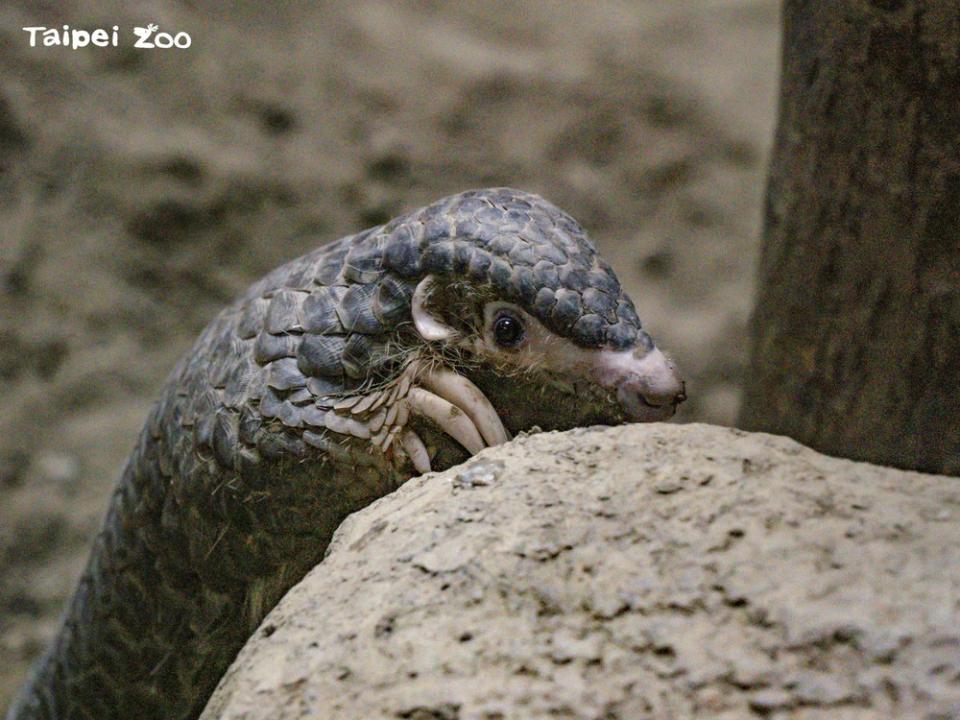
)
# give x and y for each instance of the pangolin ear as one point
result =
(427, 324)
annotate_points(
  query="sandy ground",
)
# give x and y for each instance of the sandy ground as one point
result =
(140, 190)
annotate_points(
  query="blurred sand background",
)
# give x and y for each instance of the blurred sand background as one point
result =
(140, 190)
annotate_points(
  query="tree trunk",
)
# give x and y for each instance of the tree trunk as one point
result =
(856, 330)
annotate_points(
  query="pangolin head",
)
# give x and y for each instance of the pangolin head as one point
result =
(508, 290)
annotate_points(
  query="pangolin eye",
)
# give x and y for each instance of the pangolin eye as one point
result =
(507, 330)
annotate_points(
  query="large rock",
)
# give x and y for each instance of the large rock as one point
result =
(656, 571)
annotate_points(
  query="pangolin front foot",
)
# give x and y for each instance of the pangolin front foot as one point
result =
(459, 408)
(447, 399)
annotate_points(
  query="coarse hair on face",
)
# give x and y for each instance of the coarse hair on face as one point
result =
(469, 311)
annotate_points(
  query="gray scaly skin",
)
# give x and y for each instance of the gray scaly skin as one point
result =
(287, 415)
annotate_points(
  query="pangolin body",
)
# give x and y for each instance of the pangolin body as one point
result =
(316, 392)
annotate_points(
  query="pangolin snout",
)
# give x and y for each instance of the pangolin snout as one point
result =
(647, 383)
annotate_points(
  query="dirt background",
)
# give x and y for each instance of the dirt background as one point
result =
(140, 190)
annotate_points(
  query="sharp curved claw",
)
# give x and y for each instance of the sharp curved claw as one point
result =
(417, 452)
(461, 392)
(451, 419)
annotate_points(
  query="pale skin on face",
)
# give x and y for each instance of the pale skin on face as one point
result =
(461, 410)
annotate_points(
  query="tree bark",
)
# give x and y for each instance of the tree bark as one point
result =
(856, 329)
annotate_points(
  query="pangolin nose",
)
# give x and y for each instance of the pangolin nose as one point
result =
(655, 392)
(672, 394)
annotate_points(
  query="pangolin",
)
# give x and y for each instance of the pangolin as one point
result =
(404, 348)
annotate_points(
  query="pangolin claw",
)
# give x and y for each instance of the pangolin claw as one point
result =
(451, 401)
(417, 452)
(451, 419)
(461, 392)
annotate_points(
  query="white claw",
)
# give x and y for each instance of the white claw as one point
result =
(460, 391)
(451, 419)
(417, 452)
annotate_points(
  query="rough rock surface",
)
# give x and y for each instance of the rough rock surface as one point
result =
(654, 571)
